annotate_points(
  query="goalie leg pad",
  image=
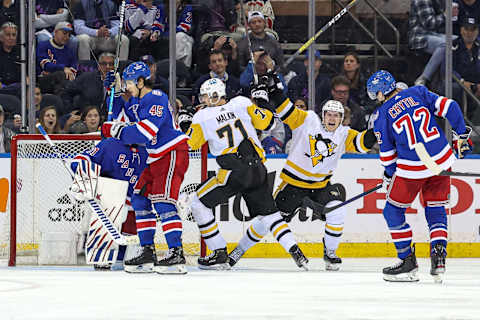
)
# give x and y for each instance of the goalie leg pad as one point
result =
(207, 225)
(171, 223)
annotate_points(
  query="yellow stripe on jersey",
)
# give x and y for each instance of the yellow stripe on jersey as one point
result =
(280, 187)
(262, 119)
(355, 142)
(252, 230)
(305, 172)
(260, 151)
(197, 138)
(219, 180)
(280, 228)
(297, 182)
(292, 116)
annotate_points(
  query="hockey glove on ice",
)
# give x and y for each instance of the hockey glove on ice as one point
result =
(462, 144)
(113, 129)
(385, 183)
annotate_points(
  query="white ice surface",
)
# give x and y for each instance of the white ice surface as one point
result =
(257, 289)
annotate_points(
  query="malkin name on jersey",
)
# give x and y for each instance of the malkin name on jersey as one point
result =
(225, 117)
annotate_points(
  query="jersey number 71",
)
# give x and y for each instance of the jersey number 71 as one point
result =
(405, 123)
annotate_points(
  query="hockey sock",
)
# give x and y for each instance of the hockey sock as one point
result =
(437, 223)
(146, 226)
(279, 229)
(146, 221)
(334, 226)
(171, 223)
(254, 234)
(399, 229)
(207, 225)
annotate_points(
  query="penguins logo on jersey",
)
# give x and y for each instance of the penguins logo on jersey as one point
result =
(320, 148)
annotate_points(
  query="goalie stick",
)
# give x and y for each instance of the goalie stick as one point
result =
(92, 203)
(428, 161)
(320, 211)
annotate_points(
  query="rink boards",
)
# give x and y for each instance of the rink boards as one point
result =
(365, 232)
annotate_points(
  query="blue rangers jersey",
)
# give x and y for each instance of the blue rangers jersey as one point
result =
(408, 118)
(156, 127)
(117, 161)
(124, 111)
(51, 57)
(184, 20)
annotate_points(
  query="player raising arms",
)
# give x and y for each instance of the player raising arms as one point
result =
(318, 143)
(405, 118)
(229, 129)
(160, 182)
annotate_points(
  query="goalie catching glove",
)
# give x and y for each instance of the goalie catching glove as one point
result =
(462, 144)
(113, 129)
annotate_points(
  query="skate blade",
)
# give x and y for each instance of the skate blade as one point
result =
(220, 266)
(332, 266)
(404, 277)
(175, 269)
(143, 268)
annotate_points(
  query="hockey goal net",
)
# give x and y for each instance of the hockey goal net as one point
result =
(40, 202)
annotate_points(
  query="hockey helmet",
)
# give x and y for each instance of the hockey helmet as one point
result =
(214, 88)
(335, 106)
(136, 70)
(381, 81)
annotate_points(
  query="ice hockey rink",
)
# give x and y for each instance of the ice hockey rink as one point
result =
(255, 289)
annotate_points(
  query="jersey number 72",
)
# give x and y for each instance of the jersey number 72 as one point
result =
(405, 123)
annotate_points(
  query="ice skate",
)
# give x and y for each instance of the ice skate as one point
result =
(172, 263)
(437, 258)
(144, 262)
(299, 257)
(403, 271)
(217, 260)
(235, 255)
(332, 261)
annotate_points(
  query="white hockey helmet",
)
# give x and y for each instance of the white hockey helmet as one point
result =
(335, 106)
(214, 88)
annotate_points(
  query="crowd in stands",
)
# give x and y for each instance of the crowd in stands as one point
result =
(77, 40)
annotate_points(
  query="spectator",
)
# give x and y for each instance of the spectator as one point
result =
(96, 25)
(143, 27)
(49, 120)
(48, 14)
(89, 121)
(298, 86)
(70, 119)
(264, 63)
(340, 91)
(230, 49)
(215, 18)
(426, 25)
(466, 8)
(352, 70)
(53, 56)
(87, 89)
(218, 64)
(258, 38)
(158, 81)
(6, 134)
(263, 6)
(10, 11)
(466, 63)
(184, 35)
(9, 55)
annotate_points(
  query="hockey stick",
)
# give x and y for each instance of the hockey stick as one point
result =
(434, 167)
(116, 61)
(322, 30)
(94, 206)
(249, 44)
(320, 212)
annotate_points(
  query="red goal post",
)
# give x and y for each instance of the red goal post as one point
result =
(40, 202)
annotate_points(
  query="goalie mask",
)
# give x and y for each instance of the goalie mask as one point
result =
(212, 91)
(332, 115)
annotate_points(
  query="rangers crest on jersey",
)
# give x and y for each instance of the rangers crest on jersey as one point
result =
(320, 148)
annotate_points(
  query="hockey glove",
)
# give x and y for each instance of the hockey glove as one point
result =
(462, 144)
(113, 129)
(275, 89)
(385, 183)
(184, 119)
(259, 94)
(112, 79)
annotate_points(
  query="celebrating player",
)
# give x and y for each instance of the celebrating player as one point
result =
(405, 118)
(229, 129)
(160, 182)
(318, 144)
